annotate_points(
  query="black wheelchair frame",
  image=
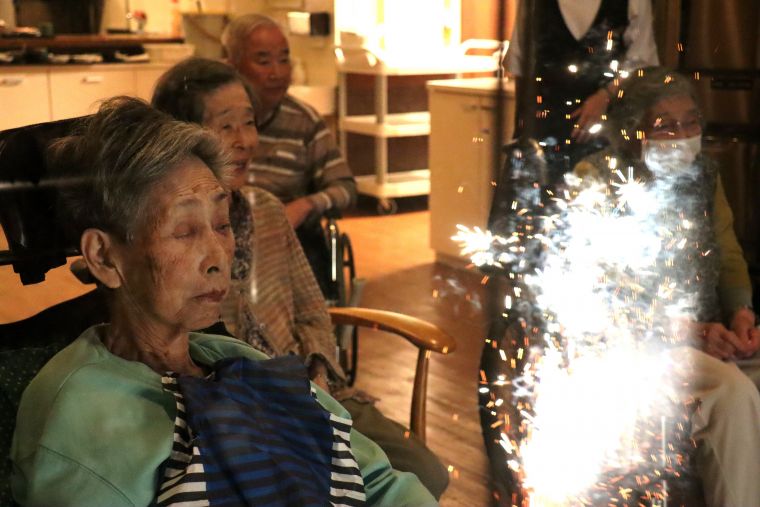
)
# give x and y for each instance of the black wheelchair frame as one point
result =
(343, 289)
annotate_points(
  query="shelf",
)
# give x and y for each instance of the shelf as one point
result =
(397, 184)
(395, 125)
(86, 41)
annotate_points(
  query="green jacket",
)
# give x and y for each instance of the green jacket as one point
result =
(93, 429)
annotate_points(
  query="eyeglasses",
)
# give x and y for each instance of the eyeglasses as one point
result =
(667, 127)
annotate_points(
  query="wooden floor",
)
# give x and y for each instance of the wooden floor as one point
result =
(392, 254)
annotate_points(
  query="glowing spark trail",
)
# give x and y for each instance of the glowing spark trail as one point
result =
(598, 294)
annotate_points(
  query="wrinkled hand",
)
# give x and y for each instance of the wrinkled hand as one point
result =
(743, 325)
(588, 114)
(318, 374)
(297, 211)
(719, 342)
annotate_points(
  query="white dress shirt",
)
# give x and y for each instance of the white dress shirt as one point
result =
(579, 16)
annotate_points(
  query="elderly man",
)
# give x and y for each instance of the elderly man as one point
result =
(297, 159)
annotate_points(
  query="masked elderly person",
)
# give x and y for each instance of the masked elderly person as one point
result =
(656, 131)
(275, 303)
(144, 411)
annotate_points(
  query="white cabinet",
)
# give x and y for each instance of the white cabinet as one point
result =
(24, 97)
(42, 93)
(146, 79)
(462, 122)
(76, 92)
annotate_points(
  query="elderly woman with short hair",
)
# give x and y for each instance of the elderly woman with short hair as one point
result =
(275, 303)
(656, 131)
(143, 411)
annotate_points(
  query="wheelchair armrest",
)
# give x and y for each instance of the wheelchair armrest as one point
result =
(420, 333)
(427, 337)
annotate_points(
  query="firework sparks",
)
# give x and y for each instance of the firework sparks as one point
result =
(593, 383)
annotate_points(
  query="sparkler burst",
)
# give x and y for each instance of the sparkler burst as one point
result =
(602, 281)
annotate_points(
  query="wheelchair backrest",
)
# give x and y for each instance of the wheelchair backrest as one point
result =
(28, 196)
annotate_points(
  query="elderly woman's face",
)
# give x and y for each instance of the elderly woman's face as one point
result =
(672, 135)
(671, 118)
(177, 269)
(229, 113)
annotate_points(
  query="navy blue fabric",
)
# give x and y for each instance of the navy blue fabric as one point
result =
(263, 437)
(557, 48)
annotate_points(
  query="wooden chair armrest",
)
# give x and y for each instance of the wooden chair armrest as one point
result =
(427, 337)
(421, 333)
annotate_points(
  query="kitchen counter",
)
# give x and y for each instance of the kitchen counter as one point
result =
(47, 92)
(85, 41)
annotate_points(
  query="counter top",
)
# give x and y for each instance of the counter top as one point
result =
(85, 41)
(477, 85)
(19, 69)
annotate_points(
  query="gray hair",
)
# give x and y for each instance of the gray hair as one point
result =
(235, 35)
(110, 164)
(638, 93)
(181, 91)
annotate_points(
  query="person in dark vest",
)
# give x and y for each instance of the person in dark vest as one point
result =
(582, 46)
(717, 344)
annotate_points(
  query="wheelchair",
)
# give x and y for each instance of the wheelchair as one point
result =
(37, 244)
(343, 289)
(331, 257)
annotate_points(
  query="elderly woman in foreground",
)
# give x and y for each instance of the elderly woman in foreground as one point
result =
(275, 303)
(657, 130)
(143, 411)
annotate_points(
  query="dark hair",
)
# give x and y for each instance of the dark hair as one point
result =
(181, 91)
(108, 166)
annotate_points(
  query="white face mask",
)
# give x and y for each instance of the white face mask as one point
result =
(672, 155)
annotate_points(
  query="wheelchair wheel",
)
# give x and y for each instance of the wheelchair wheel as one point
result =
(348, 267)
(349, 351)
(341, 293)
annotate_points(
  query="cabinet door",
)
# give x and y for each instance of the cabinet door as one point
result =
(145, 80)
(78, 92)
(455, 158)
(489, 168)
(24, 98)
